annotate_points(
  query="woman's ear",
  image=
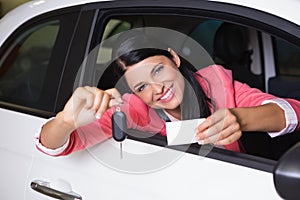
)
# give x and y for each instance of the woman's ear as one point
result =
(175, 56)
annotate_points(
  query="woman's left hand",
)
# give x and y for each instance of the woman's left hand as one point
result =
(221, 128)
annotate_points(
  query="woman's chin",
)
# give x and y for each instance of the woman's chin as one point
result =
(169, 106)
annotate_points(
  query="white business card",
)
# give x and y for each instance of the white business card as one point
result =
(182, 132)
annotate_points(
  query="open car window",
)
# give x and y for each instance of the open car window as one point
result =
(286, 82)
(234, 45)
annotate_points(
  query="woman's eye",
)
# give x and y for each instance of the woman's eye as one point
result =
(141, 88)
(158, 69)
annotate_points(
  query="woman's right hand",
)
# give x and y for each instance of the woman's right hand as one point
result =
(88, 104)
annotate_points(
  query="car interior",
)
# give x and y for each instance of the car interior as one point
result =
(230, 45)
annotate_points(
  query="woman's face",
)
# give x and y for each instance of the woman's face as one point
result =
(157, 81)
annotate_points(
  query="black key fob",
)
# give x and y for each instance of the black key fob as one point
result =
(119, 126)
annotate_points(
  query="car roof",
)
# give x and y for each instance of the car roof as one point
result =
(16, 17)
(287, 9)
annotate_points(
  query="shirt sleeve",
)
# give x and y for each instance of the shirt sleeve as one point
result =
(291, 120)
(41, 147)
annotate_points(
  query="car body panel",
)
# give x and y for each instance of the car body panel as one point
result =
(204, 177)
(17, 154)
(186, 177)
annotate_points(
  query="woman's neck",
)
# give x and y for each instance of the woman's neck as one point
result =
(175, 112)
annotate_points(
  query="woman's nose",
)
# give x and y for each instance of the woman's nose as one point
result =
(157, 88)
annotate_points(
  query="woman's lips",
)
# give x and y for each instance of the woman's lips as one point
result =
(167, 96)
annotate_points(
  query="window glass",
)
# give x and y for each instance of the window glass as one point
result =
(287, 57)
(113, 27)
(105, 53)
(24, 66)
(286, 83)
(205, 32)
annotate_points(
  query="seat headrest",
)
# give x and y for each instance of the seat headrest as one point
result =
(230, 43)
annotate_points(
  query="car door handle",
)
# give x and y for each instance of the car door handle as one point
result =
(44, 188)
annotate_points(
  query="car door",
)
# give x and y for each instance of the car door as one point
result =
(214, 15)
(144, 163)
(32, 62)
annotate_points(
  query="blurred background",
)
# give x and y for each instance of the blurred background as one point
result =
(7, 5)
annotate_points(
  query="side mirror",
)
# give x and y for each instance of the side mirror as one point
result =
(287, 174)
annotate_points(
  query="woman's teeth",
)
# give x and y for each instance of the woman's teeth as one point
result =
(167, 94)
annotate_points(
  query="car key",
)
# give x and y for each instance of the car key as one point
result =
(119, 128)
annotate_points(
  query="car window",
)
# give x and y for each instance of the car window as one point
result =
(105, 53)
(235, 46)
(230, 45)
(24, 66)
(32, 59)
(287, 58)
(286, 83)
(113, 27)
(205, 32)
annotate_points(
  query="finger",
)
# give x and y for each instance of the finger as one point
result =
(97, 96)
(210, 131)
(209, 140)
(220, 120)
(229, 130)
(82, 95)
(113, 102)
(97, 100)
(211, 120)
(91, 89)
(223, 134)
(115, 94)
(103, 105)
(232, 138)
(204, 125)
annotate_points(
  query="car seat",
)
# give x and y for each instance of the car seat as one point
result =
(231, 50)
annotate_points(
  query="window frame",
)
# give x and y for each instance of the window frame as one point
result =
(248, 17)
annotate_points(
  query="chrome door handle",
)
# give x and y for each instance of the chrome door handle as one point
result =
(44, 188)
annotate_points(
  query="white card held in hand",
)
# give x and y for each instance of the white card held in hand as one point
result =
(182, 132)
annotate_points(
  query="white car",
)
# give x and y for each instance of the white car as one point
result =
(50, 47)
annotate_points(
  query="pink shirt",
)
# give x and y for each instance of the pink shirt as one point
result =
(218, 84)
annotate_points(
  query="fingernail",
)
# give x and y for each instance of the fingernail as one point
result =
(98, 116)
(201, 142)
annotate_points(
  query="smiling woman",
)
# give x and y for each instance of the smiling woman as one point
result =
(162, 80)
